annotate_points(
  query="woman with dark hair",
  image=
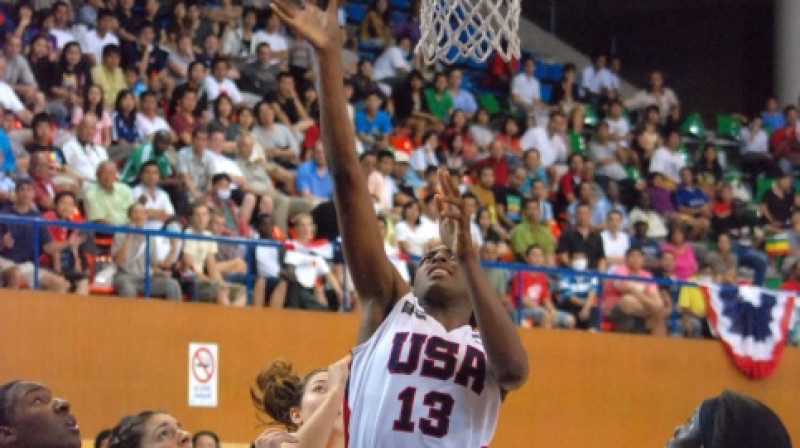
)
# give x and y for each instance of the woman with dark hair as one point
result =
(566, 93)
(492, 231)
(149, 429)
(72, 76)
(509, 134)
(412, 237)
(363, 81)
(480, 130)
(125, 135)
(457, 124)
(409, 99)
(685, 261)
(309, 408)
(708, 171)
(93, 103)
(375, 27)
(43, 66)
(647, 137)
(224, 122)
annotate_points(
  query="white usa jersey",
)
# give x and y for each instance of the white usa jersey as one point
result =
(413, 384)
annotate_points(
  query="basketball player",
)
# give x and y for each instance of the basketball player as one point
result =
(309, 408)
(420, 376)
(30, 417)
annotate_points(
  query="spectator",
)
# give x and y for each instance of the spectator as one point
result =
(230, 263)
(72, 76)
(596, 78)
(150, 60)
(578, 293)
(525, 90)
(199, 261)
(237, 210)
(599, 206)
(773, 118)
(640, 239)
(129, 21)
(81, 153)
(103, 35)
(531, 294)
(438, 97)
(668, 161)
(530, 231)
(239, 43)
(147, 120)
(184, 122)
(655, 95)
(541, 195)
(647, 137)
(615, 241)
(375, 27)
(498, 277)
(784, 143)
(19, 76)
(501, 162)
(268, 266)
(372, 124)
(708, 170)
(314, 181)
(17, 252)
(723, 261)
(210, 50)
(483, 189)
(273, 35)
(129, 255)
(259, 78)
(756, 157)
(569, 183)
(157, 206)
(409, 99)
(392, 66)
(70, 262)
(549, 141)
(493, 232)
(107, 201)
(197, 73)
(694, 207)
(509, 198)
(156, 151)
(567, 96)
(288, 106)
(9, 99)
(413, 237)
(608, 155)
(426, 155)
(776, 204)
(510, 135)
(463, 100)
(481, 131)
(692, 305)
(619, 129)
(581, 237)
(93, 104)
(218, 82)
(278, 141)
(685, 261)
(179, 61)
(62, 14)
(625, 301)
(364, 81)
(124, 134)
(41, 175)
(109, 76)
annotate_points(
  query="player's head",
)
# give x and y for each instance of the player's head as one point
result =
(149, 429)
(731, 420)
(31, 417)
(439, 282)
(288, 399)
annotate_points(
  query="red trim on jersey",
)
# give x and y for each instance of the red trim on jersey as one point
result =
(346, 412)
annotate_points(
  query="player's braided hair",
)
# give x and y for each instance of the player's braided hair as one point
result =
(129, 431)
(278, 389)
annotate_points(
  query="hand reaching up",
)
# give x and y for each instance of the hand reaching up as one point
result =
(320, 28)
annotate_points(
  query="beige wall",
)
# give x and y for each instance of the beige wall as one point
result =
(112, 356)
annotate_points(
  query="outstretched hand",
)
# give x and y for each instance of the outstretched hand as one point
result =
(319, 27)
(454, 225)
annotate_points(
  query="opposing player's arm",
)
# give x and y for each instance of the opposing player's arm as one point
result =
(506, 356)
(378, 283)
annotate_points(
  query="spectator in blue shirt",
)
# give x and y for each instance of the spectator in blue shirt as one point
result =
(373, 125)
(693, 205)
(9, 162)
(578, 293)
(651, 249)
(313, 179)
(772, 117)
(17, 243)
(463, 100)
(125, 136)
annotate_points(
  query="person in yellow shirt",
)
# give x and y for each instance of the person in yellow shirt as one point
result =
(109, 76)
(692, 305)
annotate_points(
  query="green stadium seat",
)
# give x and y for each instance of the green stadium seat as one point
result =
(489, 102)
(763, 183)
(692, 126)
(589, 115)
(577, 144)
(728, 126)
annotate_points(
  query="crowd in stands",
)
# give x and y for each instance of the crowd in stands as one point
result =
(203, 118)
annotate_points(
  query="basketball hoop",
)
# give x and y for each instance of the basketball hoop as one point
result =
(471, 29)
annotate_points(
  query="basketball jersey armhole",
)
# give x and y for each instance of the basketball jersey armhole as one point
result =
(387, 322)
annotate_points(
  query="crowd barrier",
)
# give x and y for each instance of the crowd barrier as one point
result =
(249, 242)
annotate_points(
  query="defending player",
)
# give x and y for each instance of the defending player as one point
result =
(420, 376)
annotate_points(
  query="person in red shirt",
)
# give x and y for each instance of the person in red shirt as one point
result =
(70, 262)
(502, 163)
(569, 182)
(792, 283)
(533, 290)
(45, 190)
(784, 144)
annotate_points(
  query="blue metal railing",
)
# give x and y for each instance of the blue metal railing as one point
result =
(38, 223)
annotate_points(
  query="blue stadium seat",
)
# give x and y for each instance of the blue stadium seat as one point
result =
(398, 16)
(404, 5)
(541, 70)
(368, 56)
(475, 65)
(355, 13)
(367, 47)
(545, 92)
(555, 72)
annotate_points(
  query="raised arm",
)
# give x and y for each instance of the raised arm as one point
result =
(378, 284)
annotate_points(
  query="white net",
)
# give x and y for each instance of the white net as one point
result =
(471, 29)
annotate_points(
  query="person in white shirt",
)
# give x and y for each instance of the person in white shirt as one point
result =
(81, 154)
(412, 237)
(755, 155)
(618, 127)
(273, 35)
(9, 99)
(596, 77)
(218, 82)
(668, 161)
(105, 34)
(656, 94)
(615, 241)
(157, 204)
(425, 155)
(148, 122)
(392, 65)
(60, 30)
(276, 138)
(548, 140)
(525, 89)
(463, 100)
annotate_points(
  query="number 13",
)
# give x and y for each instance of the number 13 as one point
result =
(438, 421)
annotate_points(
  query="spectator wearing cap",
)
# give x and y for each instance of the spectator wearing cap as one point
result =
(525, 89)
(81, 153)
(19, 76)
(17, 244)
(107, 200)
(103, 35)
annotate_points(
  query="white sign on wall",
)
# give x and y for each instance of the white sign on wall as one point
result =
(203, 374)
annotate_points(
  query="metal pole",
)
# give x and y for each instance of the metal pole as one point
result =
(520, 293)
(36, 247)
(552, 16)
(248, 277)
(147, 266)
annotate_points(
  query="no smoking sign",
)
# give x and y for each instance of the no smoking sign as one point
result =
(203, 374)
